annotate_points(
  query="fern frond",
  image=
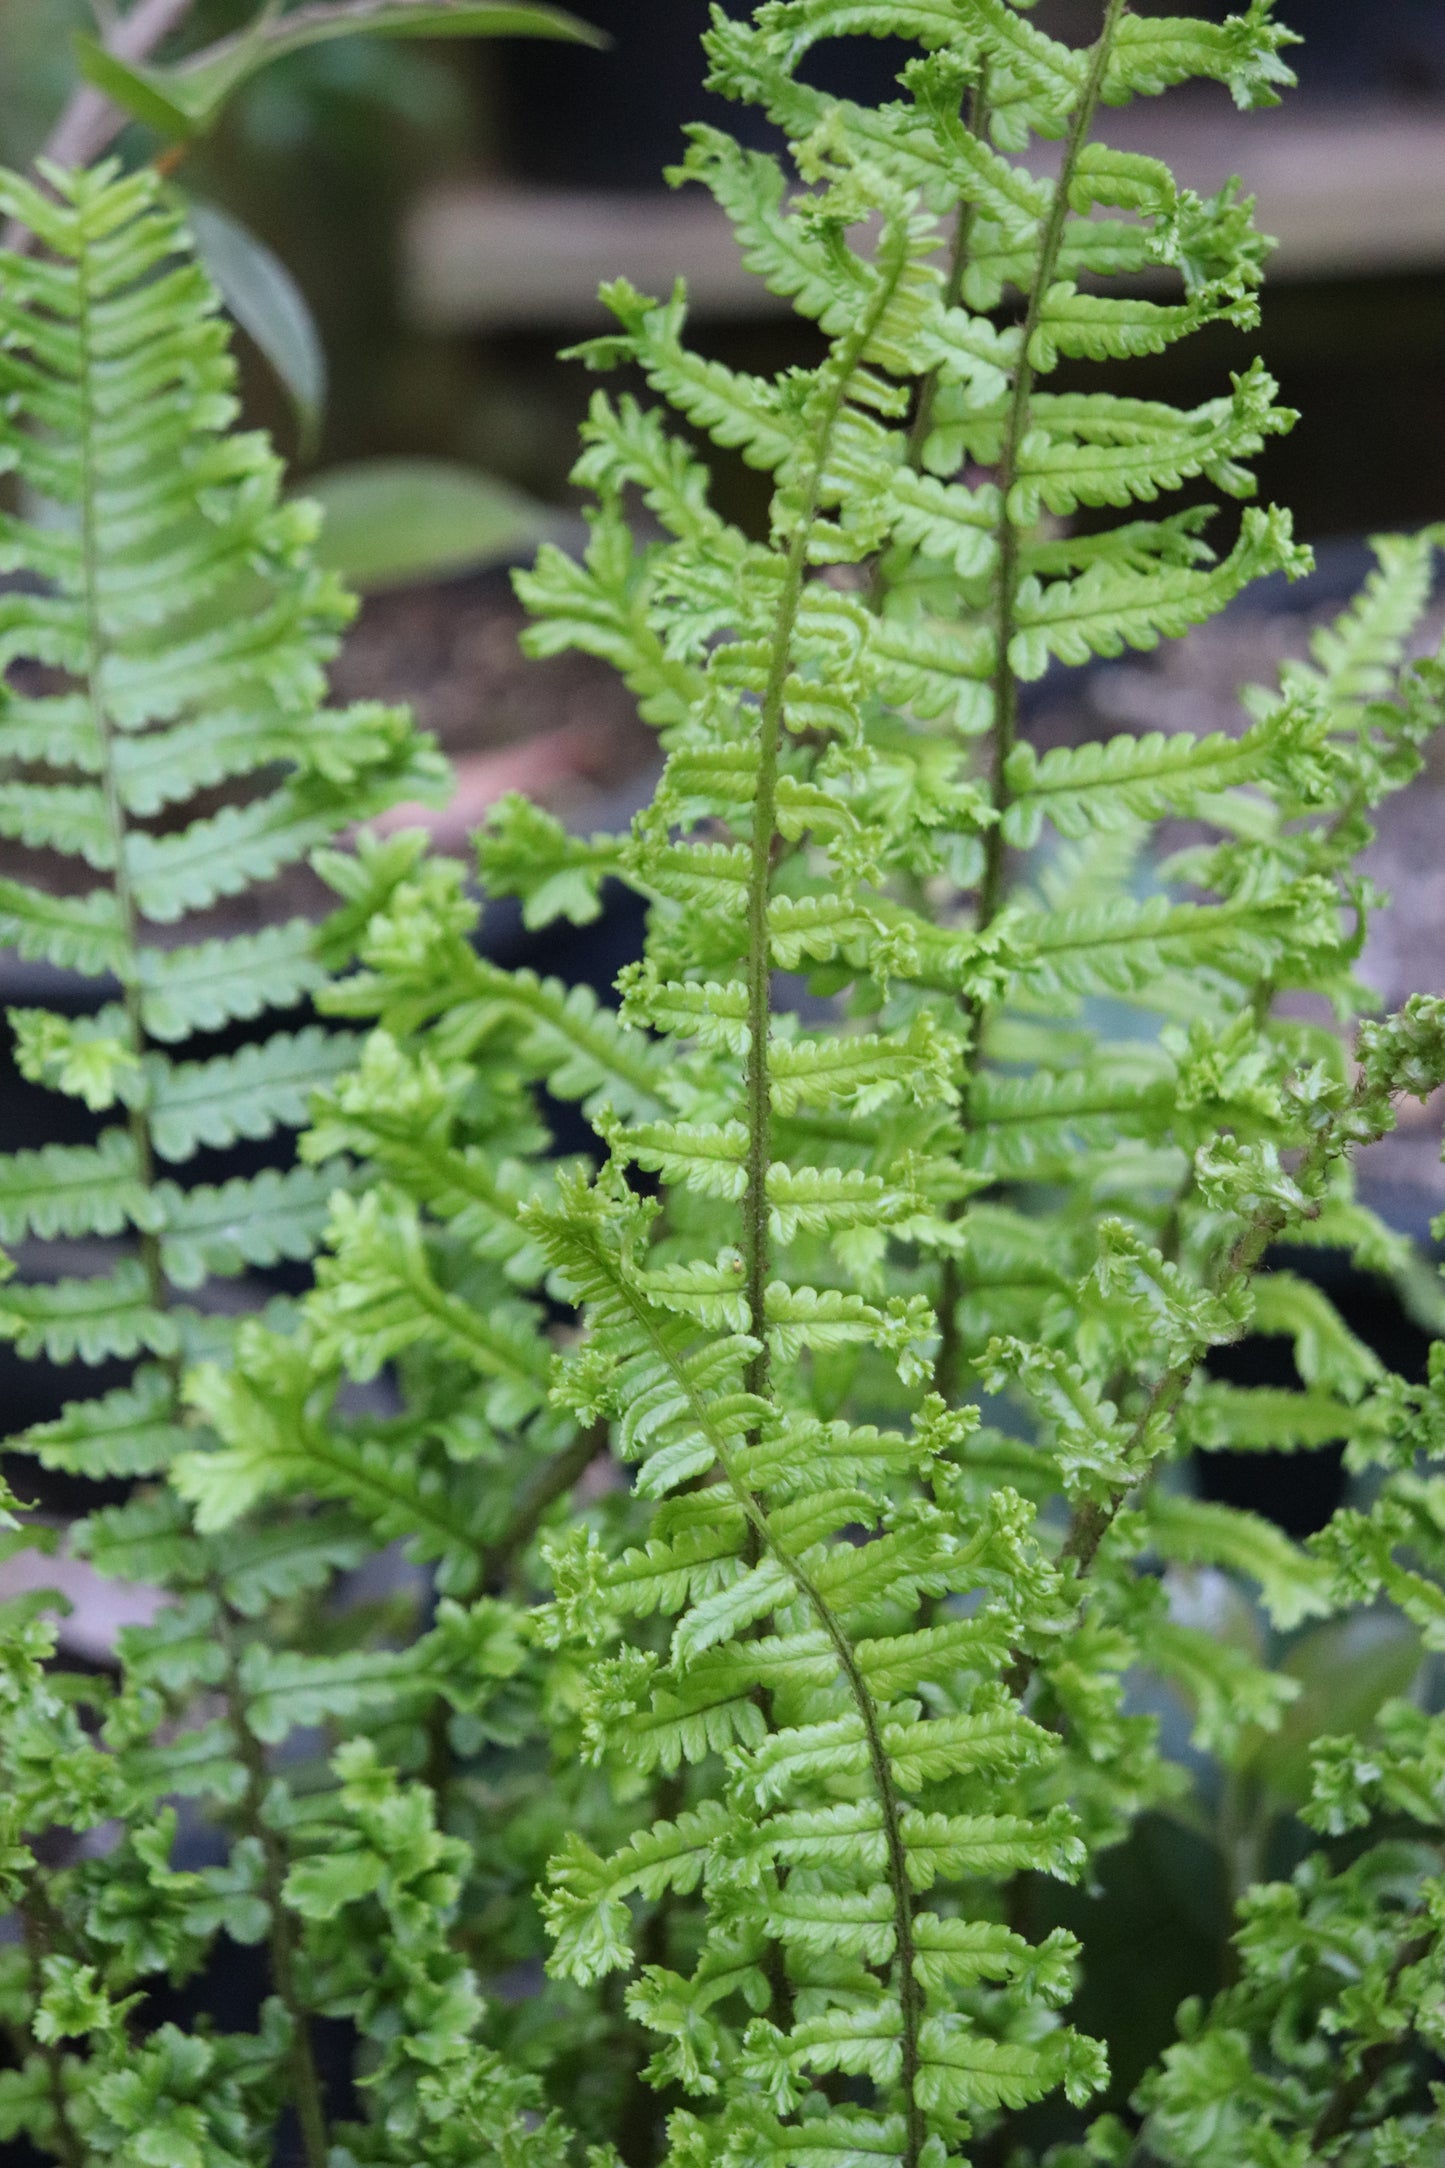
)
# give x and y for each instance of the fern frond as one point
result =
(169, 633)
(1106, 609)
(75, 933)
(1359, 656)
(899, 1297)
(1244, 53)
(1076, 326)
(1123, 779)
(850, 1604)
(1091, 449)
(66, 817)
(215, 1232)
(270, 1415)
(1122, 949)
(1292, 1585)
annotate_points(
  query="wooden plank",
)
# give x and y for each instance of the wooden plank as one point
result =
(496, 258)
(1346, 192)
(1357, 191)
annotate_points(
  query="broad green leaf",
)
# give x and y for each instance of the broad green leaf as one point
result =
(1347, 1670)
(389, 521)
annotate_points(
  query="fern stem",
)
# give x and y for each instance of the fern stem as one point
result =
(765, 807)
(1006, 684)
(305, 2079)
(1005, 681)
(950, 1342)
(922, 425)
(910, 1997)
(756, 1205)
(756, 1238)
(758, 1244)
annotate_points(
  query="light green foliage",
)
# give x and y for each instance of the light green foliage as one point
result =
(891, 1622)
(186, 629)
(170, 635)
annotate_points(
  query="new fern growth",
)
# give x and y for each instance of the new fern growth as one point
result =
(897, 1311)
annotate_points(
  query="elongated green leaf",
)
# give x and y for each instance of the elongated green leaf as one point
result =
(201, 988)
(250, 1093)
(269, 306)
(89, 1319)
(390, 521)
(139, 91)
(187, 98)
(131, 1431)
(255, 1220)
(66, 1189)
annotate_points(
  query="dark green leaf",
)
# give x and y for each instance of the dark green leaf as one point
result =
(186, 99)
(265, 300)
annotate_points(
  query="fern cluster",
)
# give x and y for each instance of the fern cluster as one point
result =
(896, 1312)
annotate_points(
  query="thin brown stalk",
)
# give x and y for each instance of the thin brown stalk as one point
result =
(90, 122)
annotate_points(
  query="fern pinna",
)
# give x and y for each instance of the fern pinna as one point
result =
(899, 1313)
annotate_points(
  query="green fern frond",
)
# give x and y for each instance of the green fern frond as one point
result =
(76, 1190)
(111, 1315)
(845, 1647)
(131, 1431)
(170, 634)
(903, 1299)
